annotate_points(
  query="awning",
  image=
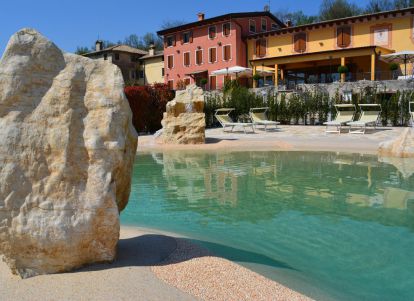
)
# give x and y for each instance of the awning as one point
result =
(196, 72)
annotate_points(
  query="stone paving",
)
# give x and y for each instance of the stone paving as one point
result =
(285, 137)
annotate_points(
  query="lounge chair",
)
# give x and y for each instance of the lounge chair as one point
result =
(223, 116)
(344, 113)
(369, 116)
(411, 109)
(258, 116)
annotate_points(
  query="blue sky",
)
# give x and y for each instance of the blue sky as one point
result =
(79, 23)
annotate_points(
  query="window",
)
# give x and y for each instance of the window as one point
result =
(212, 55)
(252, 25)
(213, 83)
(226, 29)
(162, 72)
(199, 57)
(381, 35)
(170, 41)
(131, 74)
(343, 36)
(227, 53)
(171, 84)
(264, 24)
(274, 26)
(299, 41)
(186, 37)
(212, 32)
(116, 56)
(261, 47)
(141, 74)
(170, 61)
(186, 59)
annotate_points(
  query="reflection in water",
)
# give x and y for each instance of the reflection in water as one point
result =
(343, 224)
(310, 181)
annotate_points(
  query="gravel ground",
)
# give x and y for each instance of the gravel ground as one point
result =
(151, 265)
(194, 270)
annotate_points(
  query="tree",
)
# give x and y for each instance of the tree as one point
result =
(133, 40)
(82, 50)
(171, 23)
(336, 9)
(399, 4)
(297, 18)
(144, 42)
(376, 6)
(150, 38)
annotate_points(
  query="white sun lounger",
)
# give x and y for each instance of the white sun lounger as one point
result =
(258, 116)
(369, 116)
(344, 113)
(222, 115)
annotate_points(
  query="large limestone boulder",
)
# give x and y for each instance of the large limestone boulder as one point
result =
(402, 146)
(67, 147)
(184, 119)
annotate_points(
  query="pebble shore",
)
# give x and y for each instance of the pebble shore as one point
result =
(192, 269)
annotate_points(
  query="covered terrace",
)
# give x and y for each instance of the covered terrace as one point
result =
(322, 67)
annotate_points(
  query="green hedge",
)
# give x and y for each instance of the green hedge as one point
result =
(307, 108)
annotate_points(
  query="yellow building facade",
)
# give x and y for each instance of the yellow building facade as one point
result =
(152, 67)
(313, 53)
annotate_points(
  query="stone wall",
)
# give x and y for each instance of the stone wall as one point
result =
(355, 87)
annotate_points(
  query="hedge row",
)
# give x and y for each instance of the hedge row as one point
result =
(148, 105)
(309, 108)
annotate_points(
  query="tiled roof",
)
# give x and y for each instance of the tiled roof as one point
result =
(385, 14)
(122, 48)
(219, 18)
(148, 56)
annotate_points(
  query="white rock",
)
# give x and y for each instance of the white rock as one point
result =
(184, 119)
(67, 147)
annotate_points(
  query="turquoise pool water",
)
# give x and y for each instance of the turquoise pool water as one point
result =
(332, 226)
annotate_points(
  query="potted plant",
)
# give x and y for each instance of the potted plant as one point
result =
(256, 78)
(393, 68)
(203, 83)
(343, 69)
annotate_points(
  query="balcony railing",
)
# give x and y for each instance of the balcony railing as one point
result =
(299, 78)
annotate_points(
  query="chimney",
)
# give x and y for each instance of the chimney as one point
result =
(288, 23)
(151, 50)
(98, 45)
(200, 16)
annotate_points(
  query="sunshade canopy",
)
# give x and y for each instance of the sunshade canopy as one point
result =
(402, 57)
(239, 71)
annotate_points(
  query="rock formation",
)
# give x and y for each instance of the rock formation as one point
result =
(402, 146)
(184, 120)
(67, 147)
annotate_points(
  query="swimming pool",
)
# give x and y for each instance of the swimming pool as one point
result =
(332, 226)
